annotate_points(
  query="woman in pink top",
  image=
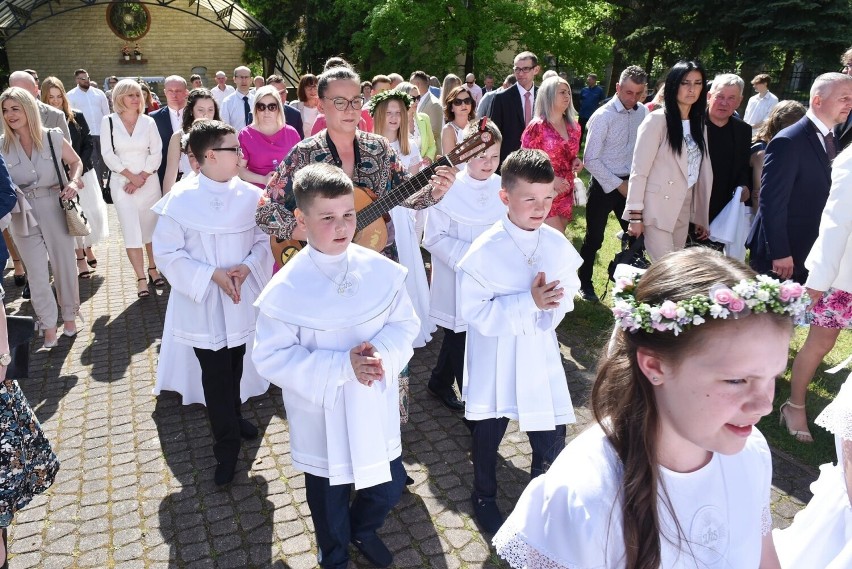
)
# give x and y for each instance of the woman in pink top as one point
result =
(267, 140)
(555, 130)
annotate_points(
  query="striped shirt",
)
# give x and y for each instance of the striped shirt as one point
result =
(610, 139)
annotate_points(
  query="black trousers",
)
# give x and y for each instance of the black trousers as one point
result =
(450, 364)
(221, 372)
(598, 208)
(337, 522)
(487, 434)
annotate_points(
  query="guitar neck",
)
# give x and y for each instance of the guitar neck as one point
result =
(398, 194)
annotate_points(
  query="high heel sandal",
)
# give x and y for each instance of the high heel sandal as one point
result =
(142, 293)
(159, 282)
(20, 280)
(801, 436)
(84, 274)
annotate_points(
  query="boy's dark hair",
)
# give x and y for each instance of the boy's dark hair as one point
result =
(531, 166)
(205, 135)
(320, 180)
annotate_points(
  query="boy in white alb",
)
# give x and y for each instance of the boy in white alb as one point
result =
(217, 260)
(470, 207)
(516, 283)
(335, 329)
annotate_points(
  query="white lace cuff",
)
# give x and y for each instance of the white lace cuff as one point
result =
(512, 547)
(837, 417)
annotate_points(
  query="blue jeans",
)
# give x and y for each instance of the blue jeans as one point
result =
(336, 522)
(487, 434)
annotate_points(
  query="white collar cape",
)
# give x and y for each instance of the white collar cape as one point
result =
(473, 202)
(207, 206)
(302, 295)
(496, 260)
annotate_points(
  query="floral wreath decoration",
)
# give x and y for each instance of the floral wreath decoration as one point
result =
(401, 96)
(759, 295)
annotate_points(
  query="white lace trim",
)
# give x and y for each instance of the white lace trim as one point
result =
(512, 547)
(837, 417)
(766, 521)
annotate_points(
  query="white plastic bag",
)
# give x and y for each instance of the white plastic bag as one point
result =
(581, 197)
(732, 225)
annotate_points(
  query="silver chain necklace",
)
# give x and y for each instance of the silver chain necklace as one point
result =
(343, 284)
(531, 259)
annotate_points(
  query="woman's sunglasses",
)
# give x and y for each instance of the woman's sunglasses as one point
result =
(460, 102)
(271, 107)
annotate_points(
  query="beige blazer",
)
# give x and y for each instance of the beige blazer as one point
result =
(658, 178)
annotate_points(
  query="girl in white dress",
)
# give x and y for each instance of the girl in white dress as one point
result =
(673, 474)
(389, 110)
(821, 534)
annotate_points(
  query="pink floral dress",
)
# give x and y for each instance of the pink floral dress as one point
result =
(541, 135)
(833, 310)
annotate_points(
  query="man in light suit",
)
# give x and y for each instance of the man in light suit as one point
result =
(429, 104)
(170, 117)
(513, 108)
(796, 181)
(50, 117)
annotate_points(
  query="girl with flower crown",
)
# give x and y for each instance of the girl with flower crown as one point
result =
(673, 473)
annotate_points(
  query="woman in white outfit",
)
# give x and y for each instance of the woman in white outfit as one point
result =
(38, 222)
(133, 154)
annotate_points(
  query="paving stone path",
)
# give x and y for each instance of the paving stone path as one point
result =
(135, 488)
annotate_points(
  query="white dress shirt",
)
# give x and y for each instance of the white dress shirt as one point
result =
(219, 94)
(93, 103)
(232, 110)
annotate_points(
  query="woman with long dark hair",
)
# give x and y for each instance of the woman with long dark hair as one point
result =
(200, 104)
(671, 178)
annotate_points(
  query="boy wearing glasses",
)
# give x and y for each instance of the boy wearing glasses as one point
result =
(512, 109)
(217, 261)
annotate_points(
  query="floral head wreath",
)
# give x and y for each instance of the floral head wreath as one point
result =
(377, 100)
(759, 295)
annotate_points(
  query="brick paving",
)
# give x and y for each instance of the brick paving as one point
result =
(135, 488)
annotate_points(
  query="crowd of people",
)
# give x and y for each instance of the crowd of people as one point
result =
(290, 236)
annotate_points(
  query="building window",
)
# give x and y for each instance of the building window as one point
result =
(128, 20)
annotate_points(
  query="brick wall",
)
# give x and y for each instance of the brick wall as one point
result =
(175, 43)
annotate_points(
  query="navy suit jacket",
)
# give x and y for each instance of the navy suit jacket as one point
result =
(294, 118)
(507, 112)
(164, 127)
(8, 200)
(794, 188)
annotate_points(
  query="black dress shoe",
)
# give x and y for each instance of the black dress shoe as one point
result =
(449, 399)
(224, 473)
(375, 551)
(487, 514)
(247, 430)
(589, 295)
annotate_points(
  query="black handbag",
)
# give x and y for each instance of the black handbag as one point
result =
(20, 330)
(106, 193)
(632, 254)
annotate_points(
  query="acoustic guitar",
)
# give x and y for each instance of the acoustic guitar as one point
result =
(372, 211)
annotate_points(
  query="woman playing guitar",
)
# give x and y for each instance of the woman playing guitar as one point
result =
(366, 158)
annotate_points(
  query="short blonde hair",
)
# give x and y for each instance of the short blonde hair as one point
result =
(271, 91)
(122, 89)
(30, 107)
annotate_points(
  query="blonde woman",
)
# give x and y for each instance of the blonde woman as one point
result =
(53, 93)
(419, 124)
(38, 223)
(267, 140)
(556, 131)
(451, 81)
(132, 150)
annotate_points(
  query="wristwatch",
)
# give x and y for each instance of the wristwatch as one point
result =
(5, 360)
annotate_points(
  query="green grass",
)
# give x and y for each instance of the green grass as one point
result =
(589, 325)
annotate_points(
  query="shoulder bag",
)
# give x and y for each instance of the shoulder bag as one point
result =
(106, 192)
(78, 225)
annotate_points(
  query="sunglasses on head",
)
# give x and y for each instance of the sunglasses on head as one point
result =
(271, 107)
(416, 99)
(460, 102)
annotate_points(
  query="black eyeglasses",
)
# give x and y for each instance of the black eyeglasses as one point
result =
(523, 69)
(237, 149)
(271, 107)
(460, 102)
(342, 103)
